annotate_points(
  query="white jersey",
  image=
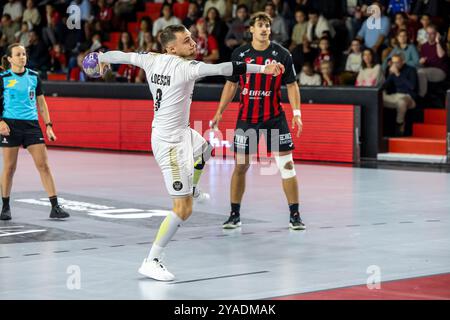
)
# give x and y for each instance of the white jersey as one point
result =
(171, 80)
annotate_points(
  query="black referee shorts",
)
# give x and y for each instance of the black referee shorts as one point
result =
(22, 133)
(276, 133)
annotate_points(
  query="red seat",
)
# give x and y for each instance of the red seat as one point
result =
(57, 76)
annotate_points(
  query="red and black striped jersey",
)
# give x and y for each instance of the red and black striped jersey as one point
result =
(260, 93)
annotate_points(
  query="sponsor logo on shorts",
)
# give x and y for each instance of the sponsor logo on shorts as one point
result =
(4, 140)
(240, 141)
(177, 185)
(41, 138)
(286, 139)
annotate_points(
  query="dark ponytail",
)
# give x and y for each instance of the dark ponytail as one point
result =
(5, 63)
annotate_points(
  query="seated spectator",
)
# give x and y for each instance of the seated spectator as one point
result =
(374, 38)
(328, 78)
(145, 26)
(97, 43)
(216, 27)
(192, 15)
(127, 73)
(180, 9)
(38, 56)
(236, 32)
(148, 42)
(220, 5)
(23, 36)
(433, 8)
(406, 49)
(31, 14)
(422, 36)
(299, 30)
(303, 54)
(77, 73)
(324, 53)
(402, 23)
(126, 43)
(52, 33)
(278, 29)
(207, 47)
(8, 29)
(124, 11)
(308, 77)
(58, 62)
(15, 10)
(104, 15)
(317, 25)
(370, 74)
(400, 90)
(353, 64)
(433, 61)
(167, 18)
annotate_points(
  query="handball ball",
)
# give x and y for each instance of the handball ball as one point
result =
(91, 66)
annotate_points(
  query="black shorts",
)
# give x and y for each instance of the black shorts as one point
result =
(22, 133)
(276, 133)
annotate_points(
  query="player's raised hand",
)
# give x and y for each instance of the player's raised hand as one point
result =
(274, 69)
(103, 66)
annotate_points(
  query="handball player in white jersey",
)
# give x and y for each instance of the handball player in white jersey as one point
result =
(179, 150)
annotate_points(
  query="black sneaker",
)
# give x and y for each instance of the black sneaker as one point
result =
(233, 221)
(296, 222)
(6, 214)
(58, 213)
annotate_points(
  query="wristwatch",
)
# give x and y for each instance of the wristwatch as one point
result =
(50, 124)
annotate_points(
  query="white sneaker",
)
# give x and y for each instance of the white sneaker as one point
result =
(200, 196)
(156, 270)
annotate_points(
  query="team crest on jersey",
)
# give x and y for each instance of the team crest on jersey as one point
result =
(274, 53)
(177, 185)
(249, 60)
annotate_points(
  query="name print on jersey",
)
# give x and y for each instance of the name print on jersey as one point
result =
(160, 79)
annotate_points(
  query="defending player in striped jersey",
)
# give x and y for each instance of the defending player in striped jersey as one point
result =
(171, 78)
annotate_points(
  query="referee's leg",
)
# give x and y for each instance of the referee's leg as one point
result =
(9, 167)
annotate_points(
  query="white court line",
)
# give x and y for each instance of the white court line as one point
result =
(114, 211)
(21, 232)
(12, 227)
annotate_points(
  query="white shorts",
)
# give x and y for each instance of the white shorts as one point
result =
(175, 153)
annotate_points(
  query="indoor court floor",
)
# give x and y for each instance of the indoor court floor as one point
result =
(368, 230)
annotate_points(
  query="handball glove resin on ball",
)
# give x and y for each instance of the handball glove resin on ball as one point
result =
(91, 65)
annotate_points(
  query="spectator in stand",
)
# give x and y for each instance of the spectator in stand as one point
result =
(180, 9)
(317, 27)
(238, 27)
(207, 46)
(31, 14)
(282, 10)
(15, 9)
(201, 6)
(433, 61)
(353, 64)
(148, 43)
(77, 73)
(218, 29)
(303, 54)
(97, 43)
(422, 36)
(328, 78)
(8, 29)
(167, 18)
(192, 15)
(126, 43)
(404, 48)
(58, 62)
(433, 8)
(375, 38)
(370, 74)
(52, 33)
(278, 29)
(299, 30)
(104, 15)
(308, 77)
(127, 73)
(145, 26)
(23, 36)
(402, 23)
(38, 56)
(400, 90)
(396, 6)
(220, 5)
(124, 11)
(324, 54)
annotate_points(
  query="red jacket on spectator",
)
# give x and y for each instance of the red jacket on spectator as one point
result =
(206, 46)
(128, 72)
